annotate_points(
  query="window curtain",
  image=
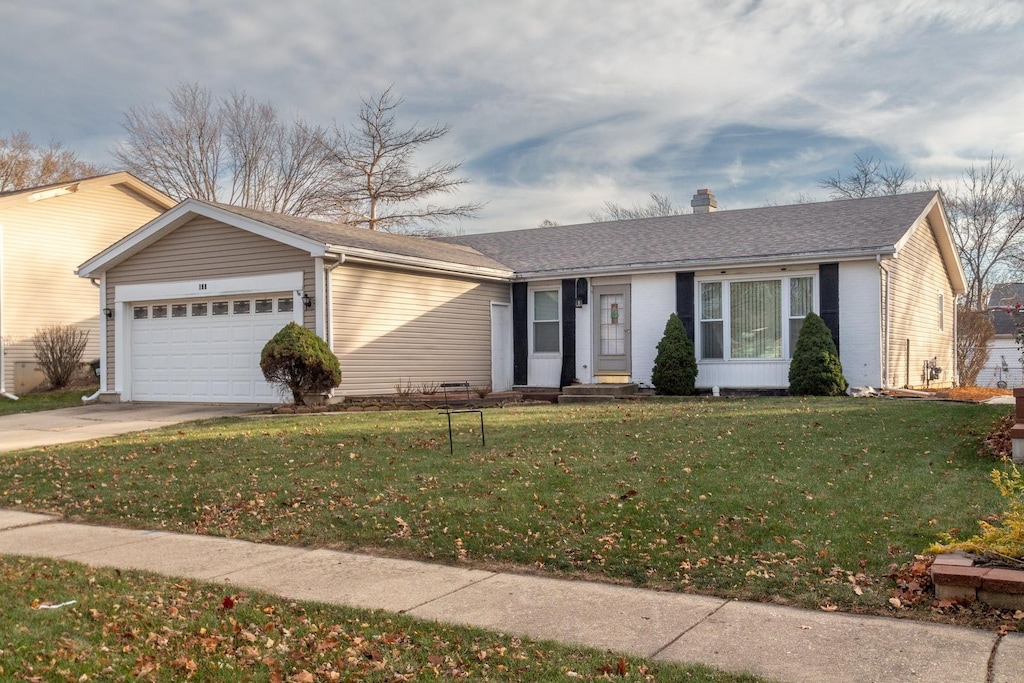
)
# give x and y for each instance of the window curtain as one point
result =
(756, 320)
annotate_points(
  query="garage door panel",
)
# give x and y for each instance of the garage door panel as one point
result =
(202, 357)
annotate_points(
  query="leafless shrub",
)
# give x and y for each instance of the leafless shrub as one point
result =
(974, 332)
(59, 350)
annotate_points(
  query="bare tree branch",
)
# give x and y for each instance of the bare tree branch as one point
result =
(659, 205)
(235, 150)
(986, 214)
(870, 178)
(373, 159)
(23, 164)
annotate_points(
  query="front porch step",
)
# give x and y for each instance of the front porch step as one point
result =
(600, 390)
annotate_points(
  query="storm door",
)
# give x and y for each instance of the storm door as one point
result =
(611, 330)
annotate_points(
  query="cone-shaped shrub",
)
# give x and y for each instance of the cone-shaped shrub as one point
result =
(297, 360)
(675, 366)
(815, 369)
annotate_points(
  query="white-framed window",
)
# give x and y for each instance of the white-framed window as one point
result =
(545, 322)
(712, 337)
(755, 318)
(801, 302)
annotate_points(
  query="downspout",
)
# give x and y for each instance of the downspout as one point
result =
(329, 302)
(329, 307)
(3, 359)
(885, 324)
(103, 343)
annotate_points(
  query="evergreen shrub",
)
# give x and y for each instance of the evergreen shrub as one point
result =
(675, 366)
(815, 369)
(299, 361)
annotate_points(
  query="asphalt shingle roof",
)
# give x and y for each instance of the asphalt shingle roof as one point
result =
(826, 228)
(1003, 296)
(339, 235)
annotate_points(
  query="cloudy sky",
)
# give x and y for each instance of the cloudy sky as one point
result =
(556, 106)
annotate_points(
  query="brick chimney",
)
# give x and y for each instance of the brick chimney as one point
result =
(704, 202)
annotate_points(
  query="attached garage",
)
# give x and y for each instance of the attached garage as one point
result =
(205, 349)
(191, 298)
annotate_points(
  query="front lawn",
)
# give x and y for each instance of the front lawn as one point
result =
(44, 400)
(123, 625)
(807, 501)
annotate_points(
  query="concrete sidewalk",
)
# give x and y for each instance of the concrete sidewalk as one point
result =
(782, 643)
(98, 420)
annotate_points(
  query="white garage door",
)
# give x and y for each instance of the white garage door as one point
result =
(205, 350)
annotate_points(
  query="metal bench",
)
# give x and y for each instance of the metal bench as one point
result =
(452, 391)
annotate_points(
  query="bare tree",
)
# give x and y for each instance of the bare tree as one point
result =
(234, 150)
(986, 214)
(870, 178)
(383, 190)
(23, 164)
(974, 333)
(659, 205)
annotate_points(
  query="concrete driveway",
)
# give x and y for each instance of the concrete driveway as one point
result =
(64, 425)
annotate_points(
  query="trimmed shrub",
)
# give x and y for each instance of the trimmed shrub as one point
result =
(815, 369)
(59, 350)
(297, 360)
(675, 366)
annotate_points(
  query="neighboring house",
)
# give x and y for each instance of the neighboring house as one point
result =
(1004, 356)
(591, 301)
(45, 232)
(196, 293)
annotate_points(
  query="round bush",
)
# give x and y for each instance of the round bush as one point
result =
(297, 360)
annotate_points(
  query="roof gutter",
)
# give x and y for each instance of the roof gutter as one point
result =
(355, 255)
(672, 266)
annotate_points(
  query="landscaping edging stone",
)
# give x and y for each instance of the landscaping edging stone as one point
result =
(956, 577)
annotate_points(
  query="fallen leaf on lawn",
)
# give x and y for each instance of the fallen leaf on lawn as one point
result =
(829, 607)
(896, 602)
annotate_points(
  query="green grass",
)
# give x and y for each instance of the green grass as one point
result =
(44, 400)
(806, 501)
(138, 626)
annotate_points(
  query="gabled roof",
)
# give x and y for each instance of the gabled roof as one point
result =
(812, 232)
(319, 238)
(122, 178)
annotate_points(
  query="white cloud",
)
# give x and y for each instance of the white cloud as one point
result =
(559, 105)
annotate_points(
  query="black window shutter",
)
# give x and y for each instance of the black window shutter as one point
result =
(685, 301)
(828, 283)
(568, 332)
(520, 334)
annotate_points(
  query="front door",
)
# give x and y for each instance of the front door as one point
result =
(612, 331)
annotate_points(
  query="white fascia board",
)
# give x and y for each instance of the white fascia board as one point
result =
(386, 258)
(194, 289)
(181, 214)
(673, 266)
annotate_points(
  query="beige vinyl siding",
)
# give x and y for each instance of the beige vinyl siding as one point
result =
(393, 327)
(44, 242)
(205, 248)
(917, 278)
